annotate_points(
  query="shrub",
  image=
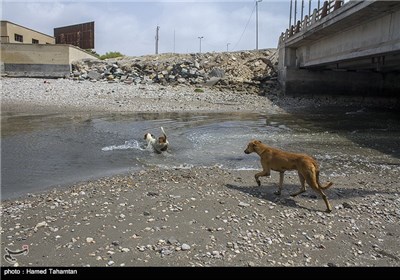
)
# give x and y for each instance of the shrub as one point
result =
(111, 55)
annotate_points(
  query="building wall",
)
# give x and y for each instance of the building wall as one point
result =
(3, 32)
(9, 29)
(80, 35)
(33, 60)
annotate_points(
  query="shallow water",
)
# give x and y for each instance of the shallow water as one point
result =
(42, 151)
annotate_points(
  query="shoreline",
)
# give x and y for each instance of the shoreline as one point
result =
(69, 96)
(197, 216)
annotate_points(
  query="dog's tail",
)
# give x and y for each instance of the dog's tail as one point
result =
(319, 184)
(165, 135)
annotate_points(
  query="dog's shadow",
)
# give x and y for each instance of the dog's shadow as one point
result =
(268, 193)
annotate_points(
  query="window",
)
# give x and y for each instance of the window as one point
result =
(34, 41)
(18, 38)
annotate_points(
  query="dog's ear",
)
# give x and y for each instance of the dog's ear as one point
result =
(255, 142)
(145, 136)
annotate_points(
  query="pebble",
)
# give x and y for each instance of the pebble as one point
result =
(90, 240)
(243, 204)
(185, 247)
(41, 224)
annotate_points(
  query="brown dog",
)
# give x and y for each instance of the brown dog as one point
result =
(277, 160)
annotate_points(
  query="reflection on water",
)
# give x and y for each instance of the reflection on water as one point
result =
(39, 151)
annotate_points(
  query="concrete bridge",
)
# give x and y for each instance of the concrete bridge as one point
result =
(343, 48)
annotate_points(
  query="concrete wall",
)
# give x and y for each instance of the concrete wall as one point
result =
(33, 60)
(8, 29)
(374, 37)
(76, 53)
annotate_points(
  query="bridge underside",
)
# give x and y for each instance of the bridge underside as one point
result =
(328, 82)
(381, 63)
(354, 51)
(369, 76)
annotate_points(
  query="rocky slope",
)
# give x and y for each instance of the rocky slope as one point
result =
(244, 71)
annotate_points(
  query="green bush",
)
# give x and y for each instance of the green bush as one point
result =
(111, 55)
(93, 52)
(198, 90)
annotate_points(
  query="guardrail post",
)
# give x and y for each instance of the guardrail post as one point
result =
(297, 26)
(338, 4)
(306, 22)
(324, 11)
(314, 16)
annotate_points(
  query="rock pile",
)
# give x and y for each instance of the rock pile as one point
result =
(244, 71)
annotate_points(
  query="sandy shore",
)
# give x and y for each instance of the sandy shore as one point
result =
(198, 216)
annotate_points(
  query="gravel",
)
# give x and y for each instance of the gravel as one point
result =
(68, 95)
(197, 216)
(205, 217)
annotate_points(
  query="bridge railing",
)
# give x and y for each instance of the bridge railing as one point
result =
(328, 7)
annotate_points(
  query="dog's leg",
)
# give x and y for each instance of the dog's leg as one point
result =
(325, 198)
(279, 191)
(328, 205)
(266, 172)
(262, 173)
(314, 185)
(303, 186)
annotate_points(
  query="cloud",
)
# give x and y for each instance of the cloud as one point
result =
(130, 26)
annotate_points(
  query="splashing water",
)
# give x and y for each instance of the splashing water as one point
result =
(131, 144)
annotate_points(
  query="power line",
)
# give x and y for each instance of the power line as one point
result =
(252, 12)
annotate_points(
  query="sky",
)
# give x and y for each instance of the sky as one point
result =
(129, 26)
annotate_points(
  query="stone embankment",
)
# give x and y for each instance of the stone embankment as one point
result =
(245, 71)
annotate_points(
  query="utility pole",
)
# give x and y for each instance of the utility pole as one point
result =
(257, 1)
(295, 12)
(290, 15)
(227, 47)
(200, 41)
(174, 40)
(309, 8)
(302, 8)
(158, 28)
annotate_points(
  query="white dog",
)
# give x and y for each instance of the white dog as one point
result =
(160, 145)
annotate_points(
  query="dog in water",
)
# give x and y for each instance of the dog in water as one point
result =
(281, 161)
(159, 145)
